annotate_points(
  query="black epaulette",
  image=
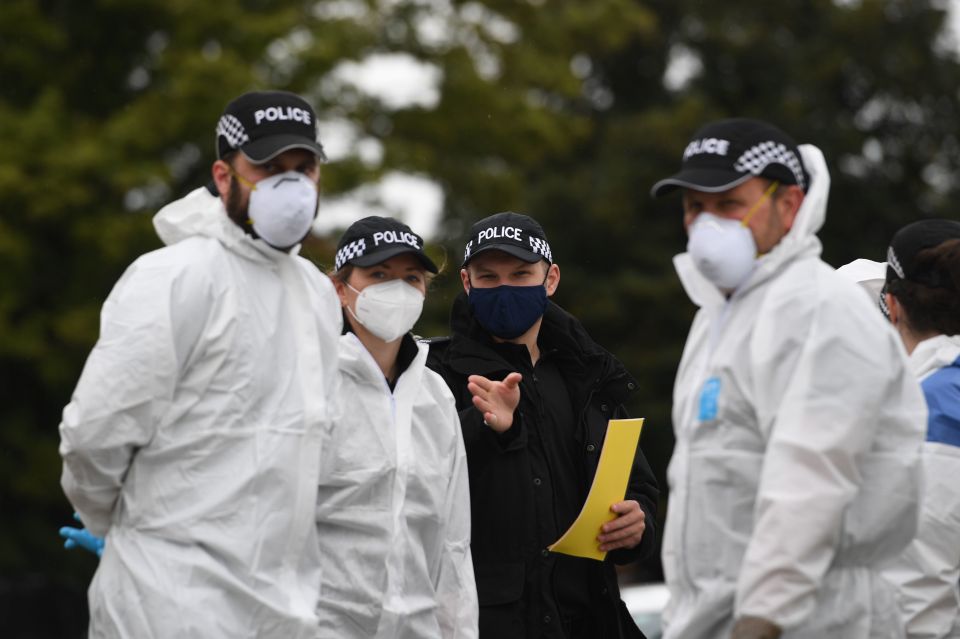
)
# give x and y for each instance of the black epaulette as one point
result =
(436, 349)
(439, 342)
(437, 345)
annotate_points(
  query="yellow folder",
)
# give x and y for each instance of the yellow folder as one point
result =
(609, 486)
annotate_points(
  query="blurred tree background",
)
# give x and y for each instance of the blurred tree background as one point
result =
(567, 110)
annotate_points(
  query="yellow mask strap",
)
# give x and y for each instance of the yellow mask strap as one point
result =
(753, 209)
(247, 183)
(244, 181)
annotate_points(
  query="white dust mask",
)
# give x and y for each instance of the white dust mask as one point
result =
(282, 208)
(722, 249)
(388, 309)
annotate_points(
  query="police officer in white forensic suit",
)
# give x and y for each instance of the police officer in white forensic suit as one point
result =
(798, 425)
(193, 438)
(918, 289)
(393, 510)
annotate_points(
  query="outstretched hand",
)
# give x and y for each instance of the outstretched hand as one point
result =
(82, 538)
(496, 400)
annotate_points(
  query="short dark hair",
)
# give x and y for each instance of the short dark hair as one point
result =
(933, 309)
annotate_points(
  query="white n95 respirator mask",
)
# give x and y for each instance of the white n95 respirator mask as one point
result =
(723, 250)
(282, 208)
(388, 309)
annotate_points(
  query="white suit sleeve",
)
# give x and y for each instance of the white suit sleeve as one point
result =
(332, 321)
(456, 587)
(125, 387)
(826, 374)
(928, 571)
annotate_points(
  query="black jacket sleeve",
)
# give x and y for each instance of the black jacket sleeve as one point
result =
(479, 439)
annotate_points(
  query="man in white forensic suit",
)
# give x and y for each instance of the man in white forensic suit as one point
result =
(193, 438)
(798, 424)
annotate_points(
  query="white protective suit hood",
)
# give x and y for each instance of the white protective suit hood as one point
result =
(934, 353)
(202, 214)
(870, 275)
(800, 240)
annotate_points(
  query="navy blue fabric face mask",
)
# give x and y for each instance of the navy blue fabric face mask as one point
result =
(508, 311)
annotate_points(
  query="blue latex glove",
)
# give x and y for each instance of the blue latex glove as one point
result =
(82, 538)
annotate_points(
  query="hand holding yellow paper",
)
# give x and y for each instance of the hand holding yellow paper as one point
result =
(609, 486)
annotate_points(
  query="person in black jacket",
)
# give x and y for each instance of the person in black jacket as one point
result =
(535, 393)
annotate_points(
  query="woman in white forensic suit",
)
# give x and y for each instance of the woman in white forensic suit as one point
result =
(393, 509)
(921, 297)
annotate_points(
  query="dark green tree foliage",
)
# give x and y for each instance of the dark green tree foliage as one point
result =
(555, 108)
(107, 110)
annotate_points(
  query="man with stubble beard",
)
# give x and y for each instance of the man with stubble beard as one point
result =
(192, 441)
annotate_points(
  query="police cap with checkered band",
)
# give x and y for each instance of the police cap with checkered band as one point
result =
(374, 239)
(264, 124)
(513, 233)
(727, 153)
(903, 255)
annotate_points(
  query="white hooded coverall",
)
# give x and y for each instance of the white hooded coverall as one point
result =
(193, 438)
(928, 571)
(393, 510)
(796, 467)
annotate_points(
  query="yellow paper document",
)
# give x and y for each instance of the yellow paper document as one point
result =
(609, 486)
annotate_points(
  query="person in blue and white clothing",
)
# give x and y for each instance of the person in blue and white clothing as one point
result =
(393, 509)
(798, 427)
(922, 298)
(919, 292)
